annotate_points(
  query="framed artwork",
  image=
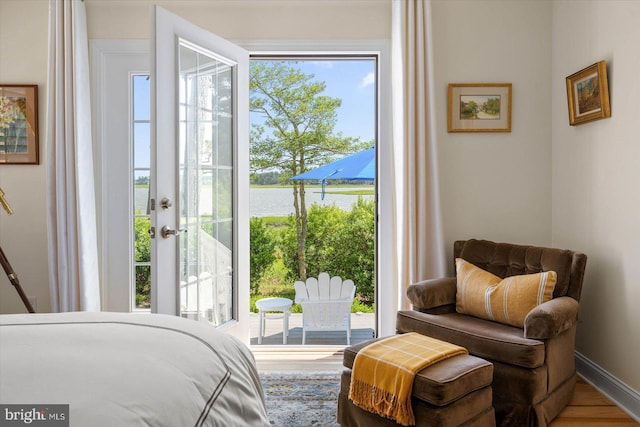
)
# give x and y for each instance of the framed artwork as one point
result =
(19, 124)
(479, 107)
(588, 94)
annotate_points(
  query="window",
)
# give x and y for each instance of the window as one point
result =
(308, 111)
(140, 131)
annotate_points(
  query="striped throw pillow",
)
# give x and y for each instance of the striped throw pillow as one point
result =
(509, 300)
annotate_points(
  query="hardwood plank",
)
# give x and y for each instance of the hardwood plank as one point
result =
(585, 394)
(593, 412)
(580, 422)
(588, 407)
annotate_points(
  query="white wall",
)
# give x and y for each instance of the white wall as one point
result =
(23, 59)
(596, 192)
(23, 236)
(496, 185)
(249, 19)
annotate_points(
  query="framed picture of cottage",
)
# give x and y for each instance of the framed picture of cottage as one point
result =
(479, 107)
(588, 94)
(19, 124)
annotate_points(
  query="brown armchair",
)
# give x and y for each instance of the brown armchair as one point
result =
(534, 368)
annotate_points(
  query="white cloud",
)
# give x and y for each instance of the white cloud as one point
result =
(322, 64)
(367, 80)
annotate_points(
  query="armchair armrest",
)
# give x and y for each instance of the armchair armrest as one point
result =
(429, 295)
(551, 318)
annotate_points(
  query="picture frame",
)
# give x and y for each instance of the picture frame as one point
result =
(19, 124)
(588, 94)
(479, 107)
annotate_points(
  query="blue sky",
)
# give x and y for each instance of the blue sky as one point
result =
(353, 81)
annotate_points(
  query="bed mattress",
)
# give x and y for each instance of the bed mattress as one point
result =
(128, 369)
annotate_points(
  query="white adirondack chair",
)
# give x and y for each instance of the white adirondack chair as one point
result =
(326, 304)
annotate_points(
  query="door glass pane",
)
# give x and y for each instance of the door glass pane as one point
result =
(143, 286)
(142, 147)
(141, 181)
(224, 202)
(206, 281)
(225, 130)
(141, 99)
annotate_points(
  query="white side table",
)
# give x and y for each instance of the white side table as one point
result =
(274, 304)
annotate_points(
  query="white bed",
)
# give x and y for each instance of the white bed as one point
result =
(121, 369)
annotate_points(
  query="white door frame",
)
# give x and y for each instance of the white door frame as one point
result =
(386, 286)
(105, 52)
(113, 63)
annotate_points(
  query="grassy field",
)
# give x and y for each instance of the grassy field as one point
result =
(351, 192)
(356, 307)
(283, 186)
(313, 185)
(274, 221)
(346, 190)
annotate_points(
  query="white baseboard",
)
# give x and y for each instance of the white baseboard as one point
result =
(621, 394)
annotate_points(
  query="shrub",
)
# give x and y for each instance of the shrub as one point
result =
(261, 254)
(338, 242)
(354, 249)
(142, 254)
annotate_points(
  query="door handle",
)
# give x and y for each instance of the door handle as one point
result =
(167, 231)
(165, 203)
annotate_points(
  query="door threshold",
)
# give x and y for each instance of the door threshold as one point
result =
(331, 349)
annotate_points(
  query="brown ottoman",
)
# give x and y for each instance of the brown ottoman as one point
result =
(453, 392)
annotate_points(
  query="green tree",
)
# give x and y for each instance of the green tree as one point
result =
(492, 106)
(142, 180)
(266, 178)
(296, 133)
(261, 254)
(468, 110)
(326, 227)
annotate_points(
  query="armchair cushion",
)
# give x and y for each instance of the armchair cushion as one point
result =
(550, 319)
(483, 338)
(504, 259)
(431, 294)
(509, 300)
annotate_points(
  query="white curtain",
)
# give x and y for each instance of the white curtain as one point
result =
(71, 218)
(418, 225)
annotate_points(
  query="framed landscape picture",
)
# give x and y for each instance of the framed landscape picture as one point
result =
(479, 107)
(19, 124)
(588, 94)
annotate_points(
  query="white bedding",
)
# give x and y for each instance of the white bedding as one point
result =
(121, 369)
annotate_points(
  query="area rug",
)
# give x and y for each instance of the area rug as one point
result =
(300, 400)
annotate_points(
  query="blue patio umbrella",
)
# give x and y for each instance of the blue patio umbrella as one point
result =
(360, 166)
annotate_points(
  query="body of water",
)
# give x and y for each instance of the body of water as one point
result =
(279, 201)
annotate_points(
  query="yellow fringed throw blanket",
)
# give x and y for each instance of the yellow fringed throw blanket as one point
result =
(383, 373)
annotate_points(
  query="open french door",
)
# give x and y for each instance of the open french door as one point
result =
(199, 175)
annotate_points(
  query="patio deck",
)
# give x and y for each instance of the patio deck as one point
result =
(362, 329)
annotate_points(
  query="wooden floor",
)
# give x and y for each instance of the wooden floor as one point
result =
(588, 408)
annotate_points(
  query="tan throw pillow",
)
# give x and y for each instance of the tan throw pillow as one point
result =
(509, 300)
